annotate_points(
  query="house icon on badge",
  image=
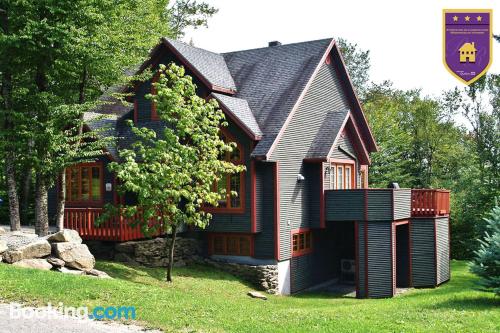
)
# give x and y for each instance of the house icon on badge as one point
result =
(468, 52)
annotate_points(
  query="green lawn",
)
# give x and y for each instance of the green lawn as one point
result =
(202, 299)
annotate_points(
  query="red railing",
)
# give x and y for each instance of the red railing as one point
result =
(426, 202)
(117, 228)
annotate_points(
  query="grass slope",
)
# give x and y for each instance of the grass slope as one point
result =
(202, 299)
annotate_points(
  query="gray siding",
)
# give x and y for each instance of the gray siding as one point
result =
(301, 273)
(374, 262)
(346, 146)
(344, 205)
(379, 205)
(313, 189)
(380, 268)
(361, 262)
(324, 95)
(264, 240)
(237, 222)
(402, 204)
(423, 260)
(443, 250)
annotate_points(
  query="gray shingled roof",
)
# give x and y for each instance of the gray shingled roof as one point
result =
(271, 80)
(241, 111)
(329, 130)
(211, 65)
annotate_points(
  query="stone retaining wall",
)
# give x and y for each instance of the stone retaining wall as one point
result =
(153, 253)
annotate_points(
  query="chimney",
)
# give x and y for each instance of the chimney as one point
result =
(274, 43)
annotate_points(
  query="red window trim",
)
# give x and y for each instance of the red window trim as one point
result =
(344, 163)
(211, 237)
(298, 253)
(90, 202)
(230, 210)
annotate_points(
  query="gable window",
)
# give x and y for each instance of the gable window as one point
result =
(230, 244)
(84, 183)
(233, 184)
(301, 243)
(342, 176)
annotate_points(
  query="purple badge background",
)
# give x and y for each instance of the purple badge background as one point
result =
(453, 42)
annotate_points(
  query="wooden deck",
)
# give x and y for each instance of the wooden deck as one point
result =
(430, 202)
(117, 228)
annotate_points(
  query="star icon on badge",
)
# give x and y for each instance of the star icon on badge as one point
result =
(455, 18)
(467, 18)
(479, 18)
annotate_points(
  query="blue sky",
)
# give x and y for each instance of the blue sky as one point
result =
(404, 38)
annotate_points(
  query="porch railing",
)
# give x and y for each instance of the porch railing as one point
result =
(117, 228)
(430, 202)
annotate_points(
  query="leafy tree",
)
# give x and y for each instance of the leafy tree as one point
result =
(358, 65)
(188, 13)
(57, 59)
(486, 263)
(172, 172)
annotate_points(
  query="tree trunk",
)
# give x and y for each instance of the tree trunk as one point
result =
(41, 212)
(25, 198)
(15, 220)
(171, 254)
(61, 201)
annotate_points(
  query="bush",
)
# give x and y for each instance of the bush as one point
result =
(486, 263)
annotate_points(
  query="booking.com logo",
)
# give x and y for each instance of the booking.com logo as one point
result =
(17, 311)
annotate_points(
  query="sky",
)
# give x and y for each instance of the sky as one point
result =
(404, 38)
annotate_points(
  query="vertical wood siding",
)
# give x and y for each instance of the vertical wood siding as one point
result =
(264, 239)
(423, 255)
(443, 250)
(324, 95)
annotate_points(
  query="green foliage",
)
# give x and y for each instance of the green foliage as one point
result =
(188, 13)
(172, 172)
(486, 263)
(358, 65)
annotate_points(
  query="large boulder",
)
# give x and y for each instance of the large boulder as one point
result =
(12, 256)
(2, 231)
(34, 263)
(75, 255)
(36, 248)
(3, 246)
(70, 271)
(66, 235)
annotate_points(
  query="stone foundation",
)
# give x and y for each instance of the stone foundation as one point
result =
(154, 252)
(263, 276)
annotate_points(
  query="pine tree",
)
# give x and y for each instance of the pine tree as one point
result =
(486, 264)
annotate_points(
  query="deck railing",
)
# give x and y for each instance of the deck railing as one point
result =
(117, 228)
(427, 202)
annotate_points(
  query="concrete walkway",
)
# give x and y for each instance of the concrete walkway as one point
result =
(58, 323)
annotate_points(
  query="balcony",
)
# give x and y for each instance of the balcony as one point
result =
(425, 202)
(117, 228)
(385, 204)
